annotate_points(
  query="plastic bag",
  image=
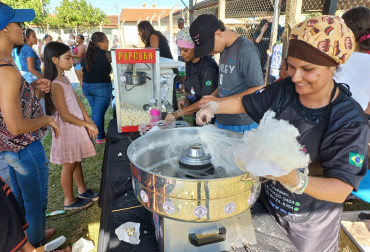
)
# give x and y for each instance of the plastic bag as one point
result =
(129, 232)
(82, 245)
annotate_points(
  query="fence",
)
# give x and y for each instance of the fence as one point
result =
(244, 16)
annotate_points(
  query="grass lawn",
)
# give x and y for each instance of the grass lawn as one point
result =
(76, 223)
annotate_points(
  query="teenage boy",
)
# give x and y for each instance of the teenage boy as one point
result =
(240, 69)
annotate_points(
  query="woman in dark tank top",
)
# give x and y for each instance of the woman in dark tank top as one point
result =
(153, 38)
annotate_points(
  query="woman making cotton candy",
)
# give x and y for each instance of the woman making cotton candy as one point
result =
(333, 129)
(201, 77)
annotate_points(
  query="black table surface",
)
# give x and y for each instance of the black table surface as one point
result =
(116, 194)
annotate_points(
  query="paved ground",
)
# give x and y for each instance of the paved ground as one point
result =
(3, 166)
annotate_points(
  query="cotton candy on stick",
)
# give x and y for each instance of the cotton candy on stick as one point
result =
(271, 149)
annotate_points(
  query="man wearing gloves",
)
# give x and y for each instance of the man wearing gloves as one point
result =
(240, 70)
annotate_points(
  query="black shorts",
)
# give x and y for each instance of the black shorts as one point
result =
(12, 221)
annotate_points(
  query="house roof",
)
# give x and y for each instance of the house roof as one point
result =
(136, 14)
(113, 21)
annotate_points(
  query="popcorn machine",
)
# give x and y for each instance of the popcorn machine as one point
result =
(137, 85)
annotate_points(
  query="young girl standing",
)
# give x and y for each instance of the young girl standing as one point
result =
(74, 143)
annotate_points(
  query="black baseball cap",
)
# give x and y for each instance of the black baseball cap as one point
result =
(202, 32)
(9, 15)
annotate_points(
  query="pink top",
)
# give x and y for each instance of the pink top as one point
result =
(75, 51)
(74, 142)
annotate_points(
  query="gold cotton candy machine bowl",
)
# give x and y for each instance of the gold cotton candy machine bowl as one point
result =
(173, 176)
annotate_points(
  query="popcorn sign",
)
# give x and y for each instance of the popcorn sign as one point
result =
(128, 56)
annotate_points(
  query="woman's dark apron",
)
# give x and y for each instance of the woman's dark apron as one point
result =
(311, 224)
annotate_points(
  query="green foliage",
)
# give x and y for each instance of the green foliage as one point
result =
(76, 14)
(30, 4)
(70, 14)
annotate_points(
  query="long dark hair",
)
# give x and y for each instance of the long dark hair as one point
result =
(81, 37)
(147, 30)
(27, 33)
(53, 49)
(358, 20)
(92, 48)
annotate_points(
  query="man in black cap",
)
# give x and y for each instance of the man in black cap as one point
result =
(240, 70)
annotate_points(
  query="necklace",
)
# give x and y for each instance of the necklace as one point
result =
(7, 61)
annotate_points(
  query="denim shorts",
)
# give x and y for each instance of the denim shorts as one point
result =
(77, 67)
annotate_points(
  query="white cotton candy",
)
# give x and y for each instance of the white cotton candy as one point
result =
(271, 149)
(220, 147)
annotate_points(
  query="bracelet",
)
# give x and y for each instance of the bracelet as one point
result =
(302, 184)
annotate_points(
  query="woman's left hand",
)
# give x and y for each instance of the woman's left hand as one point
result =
(42, 85)
(290, 180)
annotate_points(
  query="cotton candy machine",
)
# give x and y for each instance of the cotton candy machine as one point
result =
(199, 198)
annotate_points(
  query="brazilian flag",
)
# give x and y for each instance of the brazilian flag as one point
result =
(356, 159)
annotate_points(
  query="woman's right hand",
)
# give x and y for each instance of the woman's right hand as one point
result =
(92, 129)
(54, 126)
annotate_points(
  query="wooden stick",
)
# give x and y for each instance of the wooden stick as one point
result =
(124, 209)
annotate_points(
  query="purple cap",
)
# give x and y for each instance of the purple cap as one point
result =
(9, 15)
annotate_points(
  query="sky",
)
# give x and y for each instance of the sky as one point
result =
(115, 6)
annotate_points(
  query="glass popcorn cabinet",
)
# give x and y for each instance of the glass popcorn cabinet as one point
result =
(136, 74)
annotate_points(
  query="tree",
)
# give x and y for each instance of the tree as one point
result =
(76, 14)
(30, 4)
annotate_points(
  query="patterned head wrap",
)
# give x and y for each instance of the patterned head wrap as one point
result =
(322, 40)
(183, 39)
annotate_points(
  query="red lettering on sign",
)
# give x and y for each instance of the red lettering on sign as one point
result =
(129, 56)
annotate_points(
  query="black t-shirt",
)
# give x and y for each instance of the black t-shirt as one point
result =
(12, 221)
(101, 71)
(164, 49)
(201, 78)
(336, 138)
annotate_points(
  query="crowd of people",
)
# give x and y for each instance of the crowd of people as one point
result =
(312, 91)
(23, 123)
